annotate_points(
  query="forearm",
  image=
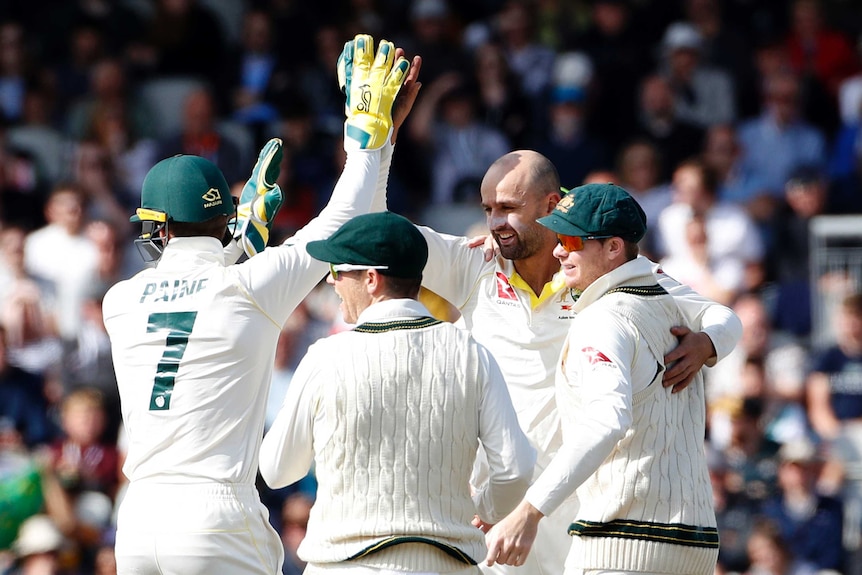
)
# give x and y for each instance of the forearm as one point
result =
(352, 196)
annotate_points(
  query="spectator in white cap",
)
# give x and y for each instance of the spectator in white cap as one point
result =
(37, 547)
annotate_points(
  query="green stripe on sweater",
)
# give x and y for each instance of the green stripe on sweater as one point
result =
(389, 542)
(384, 326)
(675, 533)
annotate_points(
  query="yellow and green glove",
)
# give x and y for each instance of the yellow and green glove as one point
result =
(370, 84)
(260, 200)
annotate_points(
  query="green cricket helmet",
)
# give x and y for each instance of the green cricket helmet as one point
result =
(183, 188)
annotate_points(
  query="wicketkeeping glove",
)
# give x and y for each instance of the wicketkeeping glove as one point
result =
(260, 200)
(370, 84)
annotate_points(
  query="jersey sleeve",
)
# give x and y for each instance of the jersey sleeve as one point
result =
(453, 269)
(287, 450)
(719, 322)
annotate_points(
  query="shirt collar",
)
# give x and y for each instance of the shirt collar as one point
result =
(393, 309)
(636, 268)
(204, 247)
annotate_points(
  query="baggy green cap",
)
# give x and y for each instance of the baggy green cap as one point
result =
(379, 239)
(597, 210)
(184, 188)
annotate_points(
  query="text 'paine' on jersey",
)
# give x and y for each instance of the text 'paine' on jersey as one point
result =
(170, 291)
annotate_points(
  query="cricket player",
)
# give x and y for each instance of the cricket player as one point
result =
(632, 449)
(193, 340)
(392, 413)
(519, 307)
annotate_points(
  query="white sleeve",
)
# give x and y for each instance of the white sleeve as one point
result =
(287, 450)
(597, 364)
(453, 269)
(379, 201)
(510, 456)
(719, 322)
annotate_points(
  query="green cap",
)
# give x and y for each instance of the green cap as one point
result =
(184, 189)
(598, 210)
(379, 239)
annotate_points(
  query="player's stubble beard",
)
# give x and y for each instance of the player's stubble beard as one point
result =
(527, 243)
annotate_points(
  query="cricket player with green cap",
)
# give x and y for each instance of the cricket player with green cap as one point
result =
(392, 413)
(193, 338)
(632, 450)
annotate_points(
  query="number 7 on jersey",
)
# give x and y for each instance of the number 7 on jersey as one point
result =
(179, 326)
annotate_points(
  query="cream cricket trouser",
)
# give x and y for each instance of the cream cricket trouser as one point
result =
(348, 569)
(550, 549)
(195, 529)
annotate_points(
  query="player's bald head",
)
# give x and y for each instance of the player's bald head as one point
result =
(528, 170)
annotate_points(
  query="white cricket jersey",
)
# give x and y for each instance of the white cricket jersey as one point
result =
(194, 342)
(525, 333)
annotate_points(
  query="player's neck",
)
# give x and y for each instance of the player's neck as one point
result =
(537, 270)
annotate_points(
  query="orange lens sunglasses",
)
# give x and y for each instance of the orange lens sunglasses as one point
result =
(576, 243)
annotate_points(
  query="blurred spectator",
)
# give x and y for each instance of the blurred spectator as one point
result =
(433, 35)
(722, 153)
(502, 106)
(37, 548)
(31, 340)
(87, 360)
(816, 50)
(639, 169)
(615, 47)
(835, 383)
(702, 95)
(60, 253)
(462, 148)
(109, 97)
(770, 554)
(22, 189)
(15, 70)
(251, 71)
(733, 243)
(734, 513)
(294, 522)
(658, 123)
(199, 136)
(722, 43)
(845, 164)
(779, 141)
(809, 520)
(119, 24)
(806, 196)
(88, 470)
(564, 137)
(782, 363)
(24, 406)
(531, 61)
(184, 38)
(318, 82)
(708, 276)
(751, 457)
(72, 70)
(308, 171)
(95, 174)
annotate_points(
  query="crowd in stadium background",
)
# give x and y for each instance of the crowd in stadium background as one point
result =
(732, 122)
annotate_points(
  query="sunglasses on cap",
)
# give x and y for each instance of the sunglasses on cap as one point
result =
(576, 243)
(335, 269)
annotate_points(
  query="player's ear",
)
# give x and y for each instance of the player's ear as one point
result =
(373, 281)
(552, 201)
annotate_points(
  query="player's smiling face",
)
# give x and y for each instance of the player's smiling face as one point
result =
(511, 212)
(583, 267)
